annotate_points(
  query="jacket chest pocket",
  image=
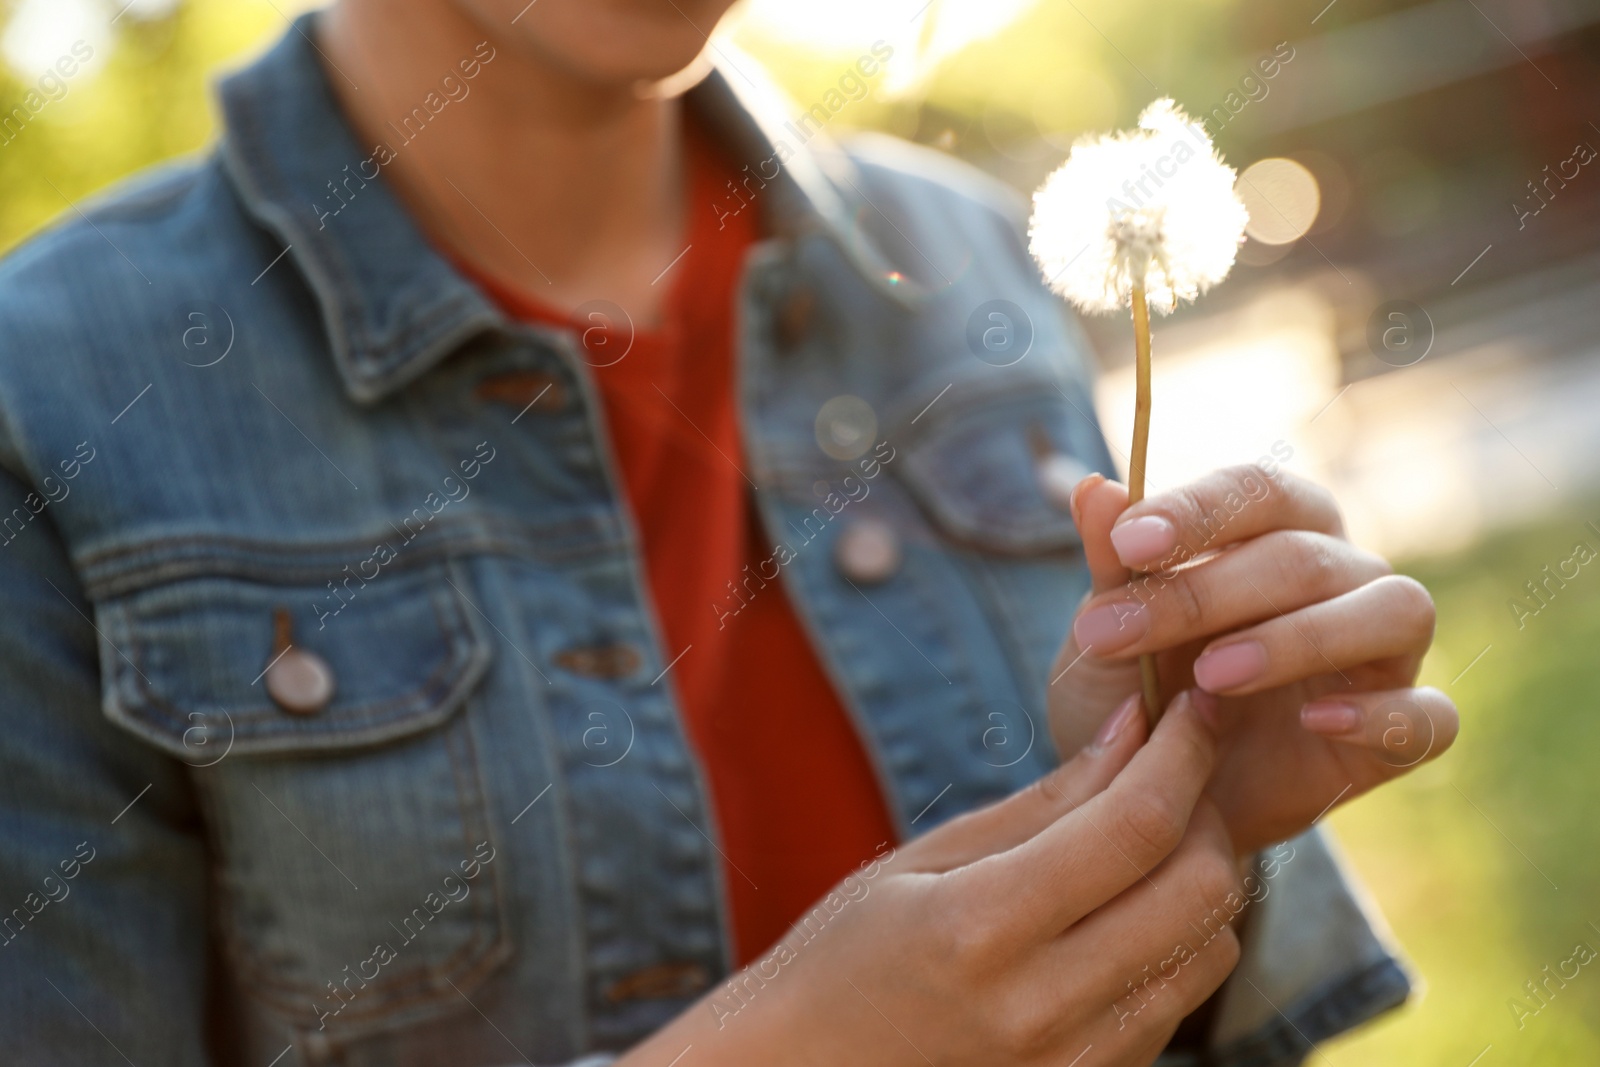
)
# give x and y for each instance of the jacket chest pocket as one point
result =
(996, 473)
(335, 758)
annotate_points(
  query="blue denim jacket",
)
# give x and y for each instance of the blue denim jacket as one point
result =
(333, 716)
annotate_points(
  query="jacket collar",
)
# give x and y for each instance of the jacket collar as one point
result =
(393, 306)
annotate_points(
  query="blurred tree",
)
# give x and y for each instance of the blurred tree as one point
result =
(144, 97)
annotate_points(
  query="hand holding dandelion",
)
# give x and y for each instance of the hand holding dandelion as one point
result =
(1139, 216)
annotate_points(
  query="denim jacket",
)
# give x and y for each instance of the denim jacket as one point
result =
(330, 688)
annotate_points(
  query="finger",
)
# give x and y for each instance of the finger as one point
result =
(1144, 1018)
(1114, 839)
(1096, 504)
(1087, 482)
(1370, 738)
(1390, 618)
(1224, 507)
(1083, 688)
(1388, 732)
(1275, 573)
(1173, 940)
(1190, 897)
(1009, 822)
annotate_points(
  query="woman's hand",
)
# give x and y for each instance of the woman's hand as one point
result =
(1089, 910)
(1252, 593)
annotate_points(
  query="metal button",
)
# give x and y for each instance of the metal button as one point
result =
(1058, 475)
(300, 681)
(868, 551)
(523, 389)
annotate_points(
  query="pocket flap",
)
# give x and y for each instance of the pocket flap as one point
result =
(996, 470)
(185, 662)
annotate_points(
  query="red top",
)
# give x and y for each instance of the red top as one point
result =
(796, 800)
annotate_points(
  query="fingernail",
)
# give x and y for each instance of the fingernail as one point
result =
(1114, 725)
(1228, 667)
(1330, 717)
(1143, 540)
(1111, 626)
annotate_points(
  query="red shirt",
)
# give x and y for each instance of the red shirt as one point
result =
(796, 800)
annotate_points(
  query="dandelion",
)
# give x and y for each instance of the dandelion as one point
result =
(1134, 218)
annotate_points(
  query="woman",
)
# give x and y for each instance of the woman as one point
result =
(513, 560)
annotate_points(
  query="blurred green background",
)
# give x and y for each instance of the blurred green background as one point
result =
(1422, 125)
(1485, 860)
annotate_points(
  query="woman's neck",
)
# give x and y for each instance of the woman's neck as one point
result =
(567, 189)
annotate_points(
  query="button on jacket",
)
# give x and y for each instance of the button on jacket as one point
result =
(312, 605)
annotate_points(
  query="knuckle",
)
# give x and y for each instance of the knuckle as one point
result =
(1025, 1026)
(1293, 485)
(1324, 570)
(1442, 716)
(1047, 796)
(1200, 753)
(1243, 478)
(1193, 606)
(1413, 603)
(1151, 825)
(1209, 825)
(968, 939)
(1187, 506)
(1057, 786)
(1282, 489)
(1320, 501)
(1227, 949)
(1041, 793)
(1311, 562)
(1281, 476)
(1215, 877)
(1230, 949)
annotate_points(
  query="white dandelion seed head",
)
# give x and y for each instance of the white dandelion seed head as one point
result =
(1153, 205)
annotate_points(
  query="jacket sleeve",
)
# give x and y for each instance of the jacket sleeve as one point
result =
(102, 900)
(1317, 960)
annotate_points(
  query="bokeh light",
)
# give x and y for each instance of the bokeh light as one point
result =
(1282, 197)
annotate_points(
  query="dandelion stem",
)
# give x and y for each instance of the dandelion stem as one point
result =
(1141, 445)
(1141, 404)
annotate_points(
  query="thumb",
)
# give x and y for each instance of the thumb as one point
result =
(1096, 503)
(1014, 819)
(1083, 690)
